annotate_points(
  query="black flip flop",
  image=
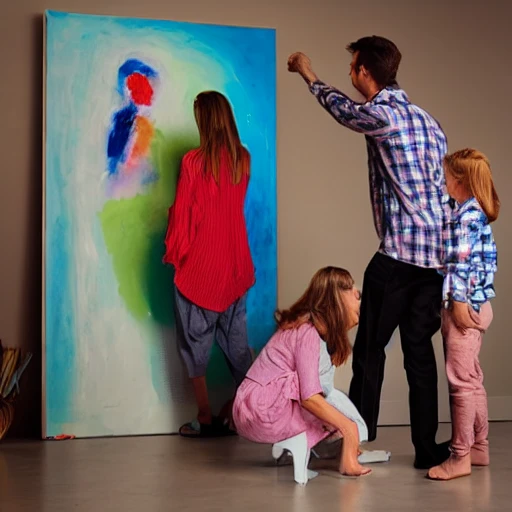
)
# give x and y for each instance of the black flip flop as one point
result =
(217, 428)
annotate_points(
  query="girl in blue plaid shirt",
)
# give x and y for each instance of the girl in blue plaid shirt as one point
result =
(470, 262)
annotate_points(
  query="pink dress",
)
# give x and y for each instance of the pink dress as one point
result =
(267, 406)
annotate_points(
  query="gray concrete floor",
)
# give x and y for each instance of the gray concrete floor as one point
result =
(167, 473)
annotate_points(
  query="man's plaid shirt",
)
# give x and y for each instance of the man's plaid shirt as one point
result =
(406, 147)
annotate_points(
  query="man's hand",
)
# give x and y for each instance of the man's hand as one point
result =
(462, 317)
(300, 63)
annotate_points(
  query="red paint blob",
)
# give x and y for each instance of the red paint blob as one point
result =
(140, 89)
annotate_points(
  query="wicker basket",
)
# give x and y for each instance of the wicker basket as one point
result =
(6, 416)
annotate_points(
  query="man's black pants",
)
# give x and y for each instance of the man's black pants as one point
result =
(397, 294)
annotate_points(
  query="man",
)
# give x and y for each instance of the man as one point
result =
(402, 287)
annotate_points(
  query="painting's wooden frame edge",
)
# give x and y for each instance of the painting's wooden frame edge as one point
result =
(43, 235)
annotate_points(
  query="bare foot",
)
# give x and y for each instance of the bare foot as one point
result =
(480, 454)
(453, 467)
(349, 465)
(354, 469)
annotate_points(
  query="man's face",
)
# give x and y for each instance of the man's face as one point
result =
(356, 76)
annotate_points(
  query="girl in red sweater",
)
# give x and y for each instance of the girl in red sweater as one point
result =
(207, 244)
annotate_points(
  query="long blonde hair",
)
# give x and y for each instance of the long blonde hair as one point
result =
(323, 306)
(472, 169)
(218, 132)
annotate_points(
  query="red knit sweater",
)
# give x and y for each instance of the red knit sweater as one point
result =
(206, 237)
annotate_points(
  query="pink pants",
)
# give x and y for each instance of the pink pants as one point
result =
(468, 399)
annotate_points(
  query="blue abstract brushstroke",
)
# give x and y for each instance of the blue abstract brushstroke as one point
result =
(119, 136)
(123, 120)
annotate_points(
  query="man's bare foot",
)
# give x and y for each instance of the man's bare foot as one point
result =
(480, 455)
(453, 467)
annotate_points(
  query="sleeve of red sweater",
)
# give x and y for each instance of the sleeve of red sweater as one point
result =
(181, 223)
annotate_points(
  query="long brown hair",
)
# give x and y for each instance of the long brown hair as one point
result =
(472, 168)
(322, 305)
(218, 132)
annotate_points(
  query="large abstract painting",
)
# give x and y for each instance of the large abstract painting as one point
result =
(118, 119)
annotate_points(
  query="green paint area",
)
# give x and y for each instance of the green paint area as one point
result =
(134, 232)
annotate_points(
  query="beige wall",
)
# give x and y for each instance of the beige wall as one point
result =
(456, 64)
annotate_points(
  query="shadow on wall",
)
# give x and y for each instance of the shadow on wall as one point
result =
(27, 419)
(160, 297)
